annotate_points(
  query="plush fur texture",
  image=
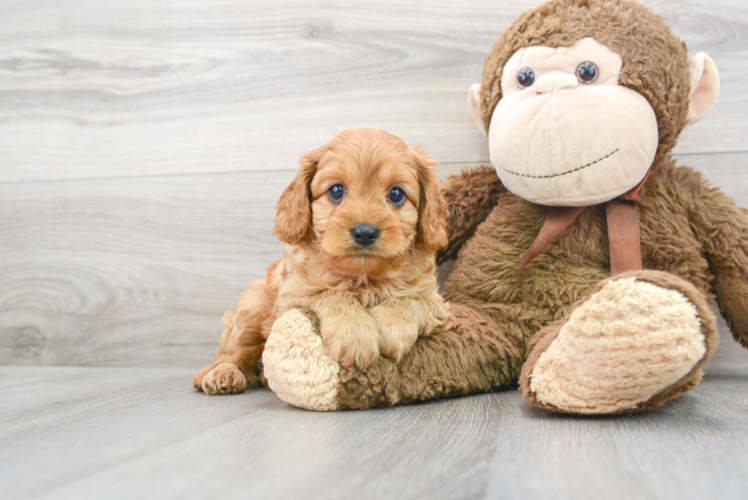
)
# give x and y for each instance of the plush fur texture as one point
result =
(677, 361)
(502, 322)
(694, 243)
(596, 363)
(552, 143)
(371, 300)
(299, 365)
(654, 60)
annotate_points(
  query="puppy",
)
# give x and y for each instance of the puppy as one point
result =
(362, 219)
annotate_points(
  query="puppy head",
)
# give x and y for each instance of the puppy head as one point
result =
(363, 201)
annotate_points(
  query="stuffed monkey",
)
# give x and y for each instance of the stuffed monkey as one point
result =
(586, 260)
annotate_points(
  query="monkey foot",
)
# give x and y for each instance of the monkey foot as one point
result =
(298, 366)
(637, 342)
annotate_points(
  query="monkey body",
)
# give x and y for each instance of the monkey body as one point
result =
(583, 334)
(579, 259)
(513, 310)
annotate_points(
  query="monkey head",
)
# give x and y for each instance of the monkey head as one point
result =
(580, 98)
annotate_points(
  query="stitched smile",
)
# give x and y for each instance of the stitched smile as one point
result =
(562, 173)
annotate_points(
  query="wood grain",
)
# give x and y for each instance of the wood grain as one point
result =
(131, 270)
(137, 271)
(149, 87)
(143, 433)
(143, 146)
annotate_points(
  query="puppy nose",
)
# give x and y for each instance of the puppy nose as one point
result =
(365, 234)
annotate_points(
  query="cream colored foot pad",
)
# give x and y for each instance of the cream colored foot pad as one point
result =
(297, 365)
(628, 342)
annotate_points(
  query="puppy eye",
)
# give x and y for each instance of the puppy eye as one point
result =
(336, 193)
(396, 196)
(587, 72)
(525, 77)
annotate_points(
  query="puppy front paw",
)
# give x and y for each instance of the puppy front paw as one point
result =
(397, 331)
(352, 338)
(223, 379)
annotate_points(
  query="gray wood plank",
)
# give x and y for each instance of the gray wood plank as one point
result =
(693, 448)
(100, 272)
(137, 271)
(144, 433)
(95, 419)
(91, 89)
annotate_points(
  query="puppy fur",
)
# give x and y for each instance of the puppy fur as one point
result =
(370, 300)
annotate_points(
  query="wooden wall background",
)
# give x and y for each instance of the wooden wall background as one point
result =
(144, 143)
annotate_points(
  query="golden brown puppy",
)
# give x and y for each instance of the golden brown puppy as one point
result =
(363, 219)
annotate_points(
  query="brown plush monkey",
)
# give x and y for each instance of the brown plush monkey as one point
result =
(587, 266)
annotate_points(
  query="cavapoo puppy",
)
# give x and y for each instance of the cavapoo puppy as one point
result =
(362, 219)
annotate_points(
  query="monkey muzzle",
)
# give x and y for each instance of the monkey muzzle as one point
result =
(572, 145)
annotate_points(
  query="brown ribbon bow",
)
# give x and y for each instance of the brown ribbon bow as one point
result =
(623, 231)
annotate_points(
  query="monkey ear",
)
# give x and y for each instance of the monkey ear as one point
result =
(293, 218)
(474, 105)
(704, 80)
(432, 209)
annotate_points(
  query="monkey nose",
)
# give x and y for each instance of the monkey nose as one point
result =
(554, 82)
(365, 234)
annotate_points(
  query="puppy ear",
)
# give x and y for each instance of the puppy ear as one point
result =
(293, 218)
(432, 209)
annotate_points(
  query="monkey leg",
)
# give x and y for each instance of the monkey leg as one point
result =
(641, 339)
(476, 355)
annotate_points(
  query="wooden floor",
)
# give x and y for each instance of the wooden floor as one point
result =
(143, 433)
(143, 147)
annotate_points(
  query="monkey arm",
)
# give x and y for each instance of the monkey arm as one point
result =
(722, 228)
(470, 196)
(477, 354)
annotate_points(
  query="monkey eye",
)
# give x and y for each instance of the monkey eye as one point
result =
(587, 72)
(396, 196)
(525, 77)
(336, 193)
